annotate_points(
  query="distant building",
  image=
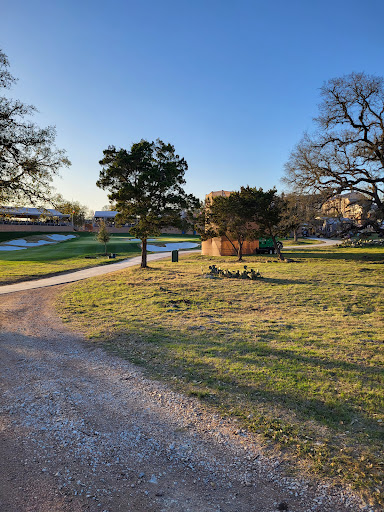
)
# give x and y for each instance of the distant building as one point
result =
(211, 195)
(348, 206)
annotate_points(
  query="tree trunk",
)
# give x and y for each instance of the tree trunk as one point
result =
(295, 235)
(105, 249)
(233, 245)
(277, 248)
(143, 253)
(240, 250)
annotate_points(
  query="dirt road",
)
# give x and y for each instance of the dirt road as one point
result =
(82, 430)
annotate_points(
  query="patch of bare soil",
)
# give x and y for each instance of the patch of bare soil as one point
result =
(81, 430)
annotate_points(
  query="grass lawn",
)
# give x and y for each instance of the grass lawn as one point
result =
(75, 254)
(300, 241)
(296, 356)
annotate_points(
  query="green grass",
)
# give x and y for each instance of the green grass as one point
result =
(296, 356)
(300, 241)
(75, 254)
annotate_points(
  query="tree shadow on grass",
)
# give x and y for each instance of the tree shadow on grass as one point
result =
(274, 280)
(185, 355)
(342, 254)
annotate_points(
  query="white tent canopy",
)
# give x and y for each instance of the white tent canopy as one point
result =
(32, 212)
(105, 214)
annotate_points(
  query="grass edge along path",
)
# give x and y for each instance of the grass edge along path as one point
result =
(69, 256)
(297, 357)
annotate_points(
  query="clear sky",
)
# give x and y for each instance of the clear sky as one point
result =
(232, 85)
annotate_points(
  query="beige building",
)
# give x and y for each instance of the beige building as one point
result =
(348, 206)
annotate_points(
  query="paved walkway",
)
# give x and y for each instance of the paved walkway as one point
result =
(85, 274)
(323, 242)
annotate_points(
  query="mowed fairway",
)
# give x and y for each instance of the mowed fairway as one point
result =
(81, 252)
(296, 356)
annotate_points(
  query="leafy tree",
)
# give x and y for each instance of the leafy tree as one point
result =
(28, 157)
(247, 214)
(77, 211)
(146, 184)
(103, 236)
(229, 217)
(266, 211)
(300, 210)
(108, 208)
(347, 151)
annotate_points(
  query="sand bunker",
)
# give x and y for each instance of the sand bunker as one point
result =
(21, 243)
(10, 248)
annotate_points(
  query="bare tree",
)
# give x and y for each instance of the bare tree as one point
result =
(347, 151)
(28, 157)
(300, 212)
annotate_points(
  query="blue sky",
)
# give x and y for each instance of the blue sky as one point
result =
(232, 85)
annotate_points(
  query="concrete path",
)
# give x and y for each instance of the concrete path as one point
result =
(85, 274)
(324, 242)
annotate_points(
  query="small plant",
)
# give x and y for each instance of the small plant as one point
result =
(236, 274)
(103, 236)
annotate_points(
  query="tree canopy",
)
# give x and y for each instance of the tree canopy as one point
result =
(266, 208)
(78, 211)
(147, 185)
(103, 236)
(247, 214)
(28, 157)
(347, 151)
(228, 216)
(301, 211)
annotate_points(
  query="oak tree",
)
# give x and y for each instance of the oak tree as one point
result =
(28, 156)
(347, 151)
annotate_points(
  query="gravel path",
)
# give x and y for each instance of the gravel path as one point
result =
(83, 430)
